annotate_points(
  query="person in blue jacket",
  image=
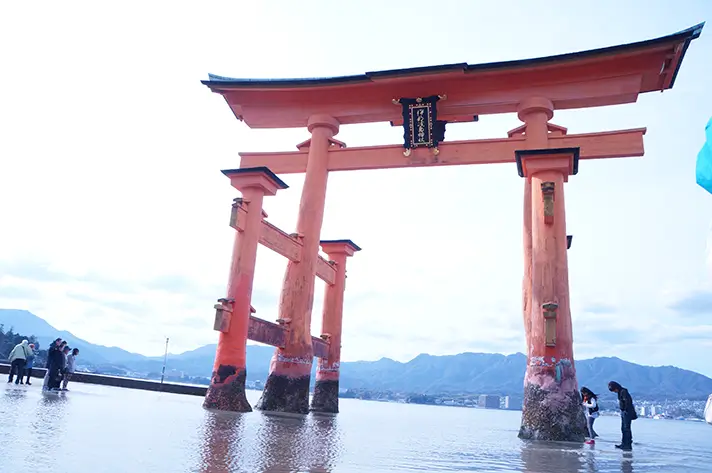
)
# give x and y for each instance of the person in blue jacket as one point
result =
(29, 363)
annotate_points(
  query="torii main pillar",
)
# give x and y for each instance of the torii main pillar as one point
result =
(227, 383)
(326, 389)
(552, 403)
(287, 386)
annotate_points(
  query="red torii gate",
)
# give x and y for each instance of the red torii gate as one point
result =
(424, 100)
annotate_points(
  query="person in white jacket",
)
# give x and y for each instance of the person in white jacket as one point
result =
(590, 402)
(69, 369)
(18, 357)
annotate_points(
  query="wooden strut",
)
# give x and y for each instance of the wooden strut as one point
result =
(275, 334)
(289, 246)
(263, 331)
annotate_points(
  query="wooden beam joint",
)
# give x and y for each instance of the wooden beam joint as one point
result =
(547, 195)
(549, 309)
(223, 315)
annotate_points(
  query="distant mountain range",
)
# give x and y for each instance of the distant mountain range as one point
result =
(28, 324)
(481, 373)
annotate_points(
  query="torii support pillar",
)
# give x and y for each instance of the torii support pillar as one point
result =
(326, 389)
(552, 404)
(227, 385)
(287, 386)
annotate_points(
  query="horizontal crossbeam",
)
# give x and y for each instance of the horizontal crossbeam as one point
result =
(612, 144)
(320, 347)
(270, 333)
(284, 244)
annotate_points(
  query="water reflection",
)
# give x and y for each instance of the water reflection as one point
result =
(47, 427)
(627, 462)
(281, 443)
(589, 460)
(326, 441)
(554, 456)
(101, 429)
(11, 413)
(307, 444)
(222, 432)
(538, 457)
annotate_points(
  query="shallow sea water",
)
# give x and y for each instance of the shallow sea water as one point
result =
(97, 429)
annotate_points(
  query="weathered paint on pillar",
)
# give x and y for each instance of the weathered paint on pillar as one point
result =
(227, 384)
(527, 279)
(552, 404)
(326, 389)
(287, 386)
(535, 112)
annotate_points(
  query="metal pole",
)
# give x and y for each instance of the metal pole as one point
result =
(165, 358)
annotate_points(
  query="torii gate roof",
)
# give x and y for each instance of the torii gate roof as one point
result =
(597, 77)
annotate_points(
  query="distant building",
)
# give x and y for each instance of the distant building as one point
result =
(642, 411)
(512, 403)
(489, 401)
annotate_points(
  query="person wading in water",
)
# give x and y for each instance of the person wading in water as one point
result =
(628, 414)
(18, 357)
(29, 364)
(590, 402)
(55, 363)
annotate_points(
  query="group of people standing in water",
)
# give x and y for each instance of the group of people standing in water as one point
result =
(60, 364)
(627, 412)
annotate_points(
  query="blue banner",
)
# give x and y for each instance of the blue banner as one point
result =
(704, 161)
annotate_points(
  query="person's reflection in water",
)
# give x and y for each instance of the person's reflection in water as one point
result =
(552, 456)
(222, 433)
(627, 462)
(47, 429)
(14, 395)
(590, 457)
(297, 443)
(12, 410)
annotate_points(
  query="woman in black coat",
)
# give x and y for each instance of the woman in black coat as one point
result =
(55, 362)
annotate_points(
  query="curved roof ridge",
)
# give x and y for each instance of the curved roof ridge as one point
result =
(687, 35)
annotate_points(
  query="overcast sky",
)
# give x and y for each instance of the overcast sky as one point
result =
(115, 214)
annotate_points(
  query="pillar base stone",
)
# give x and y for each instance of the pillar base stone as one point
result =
(553, 414)
(285, 394)
(227, 390)
(326, 397)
